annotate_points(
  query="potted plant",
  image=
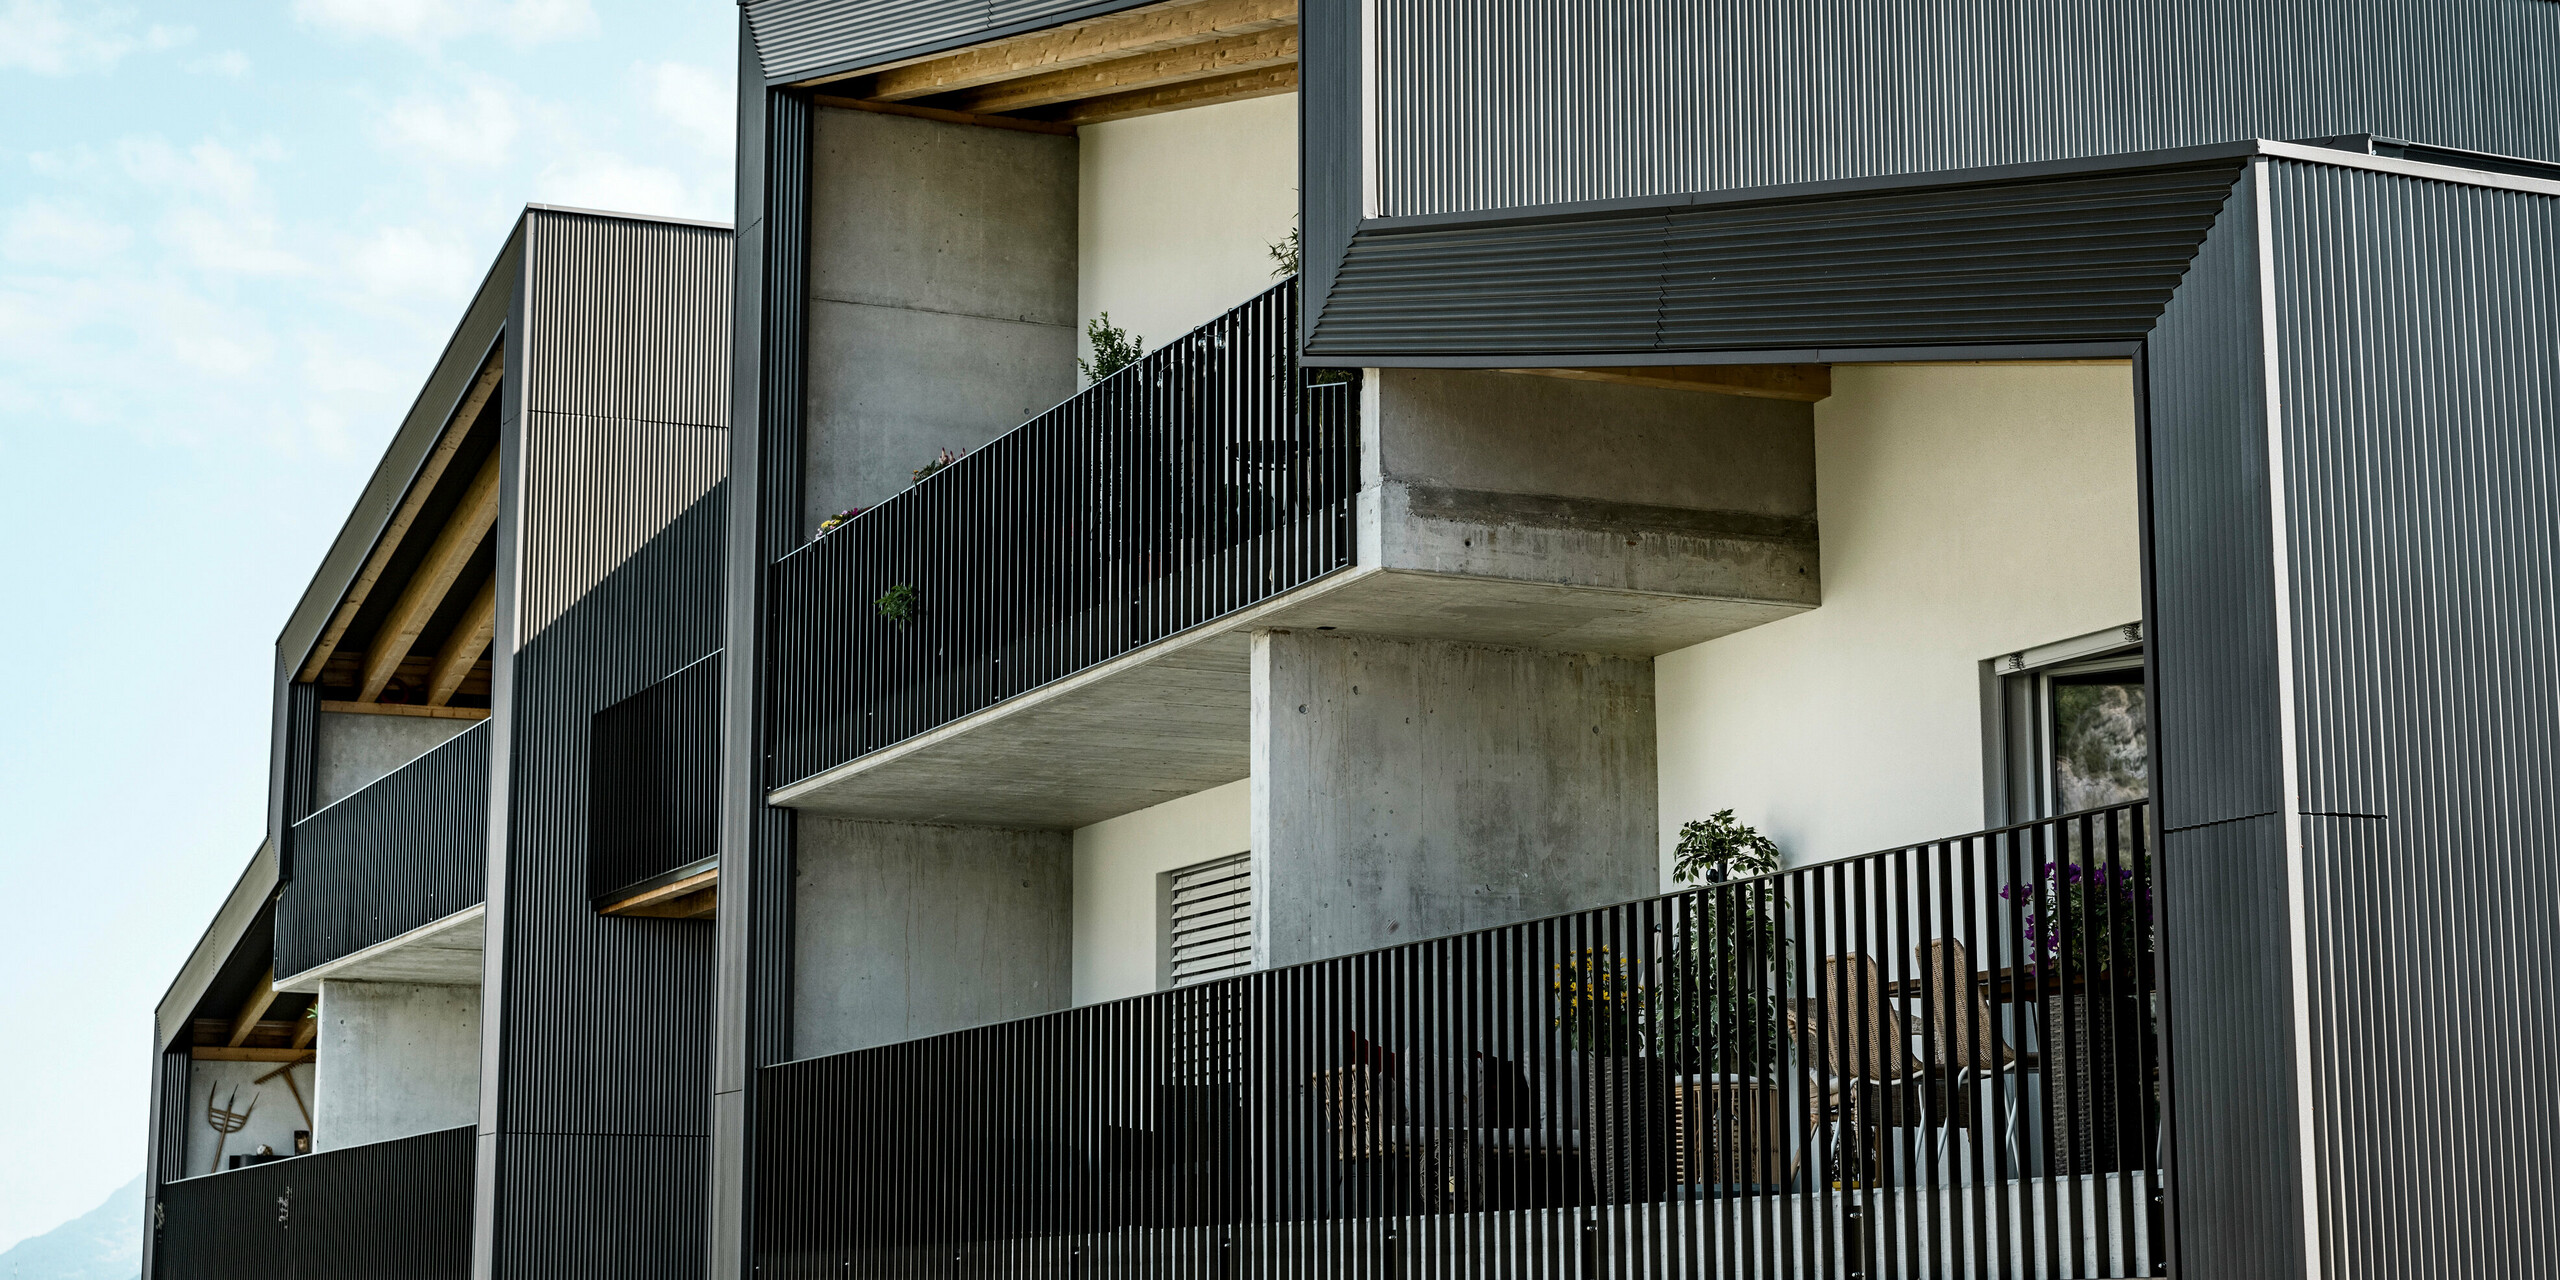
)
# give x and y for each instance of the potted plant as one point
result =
(2085, 932)
(1604, 1008)
(1721, 1015)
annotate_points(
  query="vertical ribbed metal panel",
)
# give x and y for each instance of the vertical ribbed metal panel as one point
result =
(166, 1145)
(2419, 327)
(801, 38)
(398, 1210)
(603, 1023)
(2084, 257)
(654, 789)
(1330, 171)
(2212, 620)
(409, 849)
(1493, 104)
(301, 724)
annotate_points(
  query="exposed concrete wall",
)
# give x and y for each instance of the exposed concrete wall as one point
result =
(905, 931)
(1967, 512)
(350, 750)
(1554, 480)
(396, 1059)
(1405, 790)
(272, 1114)
(1179, 213)
(1119, 942)
(942, 295)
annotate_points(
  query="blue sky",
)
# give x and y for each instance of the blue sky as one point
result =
(232, 240)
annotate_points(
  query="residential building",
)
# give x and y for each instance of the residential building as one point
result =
(2077, 485)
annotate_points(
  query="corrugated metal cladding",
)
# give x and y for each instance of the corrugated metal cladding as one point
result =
(603, 1083)
(400, 1208)
(654, 788)
(1495, 104)
(168, 1143)
(410, 849)
(301, 736)
(2419, 365)
(2086, 257)
(801, 38)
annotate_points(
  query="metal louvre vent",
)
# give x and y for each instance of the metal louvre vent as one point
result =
(1209, 920)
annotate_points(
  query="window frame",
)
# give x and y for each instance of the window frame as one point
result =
(2017, 715)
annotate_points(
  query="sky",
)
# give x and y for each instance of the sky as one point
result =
(233, 240)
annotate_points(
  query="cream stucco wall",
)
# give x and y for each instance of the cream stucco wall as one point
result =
(1966, 511)
(1176, 213)
(1116, 865)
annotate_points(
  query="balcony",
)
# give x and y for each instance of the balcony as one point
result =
(1934, 1060)
(400, 1208)
(379, 881)
(1209, 477)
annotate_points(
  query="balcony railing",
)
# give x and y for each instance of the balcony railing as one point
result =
(410, 849)
(1209, 476)
(653, 783)
(1933, 1061)
(399, 1208)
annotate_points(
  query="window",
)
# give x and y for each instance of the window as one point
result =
(1208, 920)
(2066, 727)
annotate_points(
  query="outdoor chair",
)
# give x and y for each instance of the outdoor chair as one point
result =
(1873, 1081)
(1965, 1043)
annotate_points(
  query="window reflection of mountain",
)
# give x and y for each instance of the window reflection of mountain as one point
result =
(2099, 750)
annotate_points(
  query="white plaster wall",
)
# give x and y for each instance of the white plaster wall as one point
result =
(272, 1114)
(1966, 511)
(397, 1059)
(1117, 938)
(1177, 213)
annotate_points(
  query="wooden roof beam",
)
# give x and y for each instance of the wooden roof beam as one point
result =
(446, 558)
(388, 544)
(1116, 35)
(260, 1000)
(1236, 87)
(462, 649)
(1230, 56)
(1765, 381)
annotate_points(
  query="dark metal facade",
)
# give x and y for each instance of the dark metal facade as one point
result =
(752, 1010)
(654, 783)
(1496, 104)
(398, 1210)
(410, 849)
(1699, 1084)
(799, 39)
(2416, 351)
(2078, 257)
(1205, 478)
(595, 1071)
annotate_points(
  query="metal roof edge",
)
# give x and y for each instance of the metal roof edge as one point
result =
(239, 909)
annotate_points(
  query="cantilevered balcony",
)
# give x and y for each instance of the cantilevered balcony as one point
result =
(1936, 1060)
(386, 884)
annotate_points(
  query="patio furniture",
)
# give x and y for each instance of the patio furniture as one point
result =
(1864, 1046)
(1965, 1043)
(1446, 1135)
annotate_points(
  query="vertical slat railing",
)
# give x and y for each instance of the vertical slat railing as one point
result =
(1933, 1061)
(1211, 475)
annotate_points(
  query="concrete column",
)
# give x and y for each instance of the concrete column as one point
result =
(1411, 789)
(904, 931)
(397, 1059)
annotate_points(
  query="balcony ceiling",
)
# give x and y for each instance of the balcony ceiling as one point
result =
(411, 633)
(1139, 62)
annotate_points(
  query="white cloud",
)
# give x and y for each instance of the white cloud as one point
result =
(233, 243)
(602, 180)
(208, 168)
(229, 62)
(703, 105)
(428, 23)
(477, 129)
(50, 235)
(411, 263)
(39, 36)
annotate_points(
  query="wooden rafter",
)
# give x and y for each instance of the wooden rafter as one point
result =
(404, 709)
(1118, 35)
(1262, 83)
(444, 562)
(246, 1021)
(411, 503)
(463, 648)
(696, 897)
(947, 117)
(1251, 52)
(1766, 381)
(217, 1053)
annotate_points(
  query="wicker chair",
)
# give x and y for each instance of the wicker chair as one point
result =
(1965, 1043)
(1874, 1083)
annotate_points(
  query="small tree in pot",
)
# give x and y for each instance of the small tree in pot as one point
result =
(1722, 1015)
